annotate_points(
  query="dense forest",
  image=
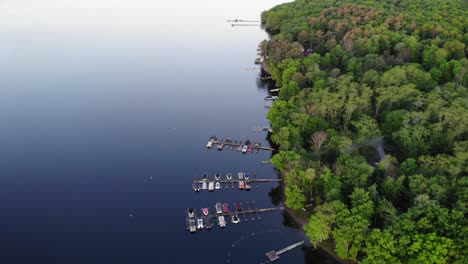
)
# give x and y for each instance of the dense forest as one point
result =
(371, 123)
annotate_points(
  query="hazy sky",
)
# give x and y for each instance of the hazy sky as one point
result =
(55, 16)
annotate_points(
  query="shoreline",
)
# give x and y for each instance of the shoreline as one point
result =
(301, 222)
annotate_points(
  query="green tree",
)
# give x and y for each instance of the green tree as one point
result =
(380, 248)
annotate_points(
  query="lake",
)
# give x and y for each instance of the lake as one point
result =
(105, 109)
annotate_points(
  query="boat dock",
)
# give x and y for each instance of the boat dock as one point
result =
(237, 180)
(245, 25)
(238, 145)
(243, 182)
(274, 255)
(244, 211)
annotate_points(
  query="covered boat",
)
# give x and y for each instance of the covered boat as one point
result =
(205, 176)
(208, 223)
(225, 207)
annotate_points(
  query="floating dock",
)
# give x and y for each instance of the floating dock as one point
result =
(248, 211)
(238, 145)
(224, 182)
(274, 255)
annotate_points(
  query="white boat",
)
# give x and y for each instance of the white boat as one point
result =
(244, 149)
(211, 186)
(217, 186)
(240, 175)
(235, 219)
(209, 144)
(221, 221)
(229, 176)
(217, 176)
(219, 208)
(220, 146)
(246, 176)
(200, 223)
(204, 186)
(247, 187)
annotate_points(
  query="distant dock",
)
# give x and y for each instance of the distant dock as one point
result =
(274, 255)
(239, 145)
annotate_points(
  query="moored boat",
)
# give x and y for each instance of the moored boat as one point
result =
(244, 149)
(205, 211)
(204, 185)
(219, 208)
(217, 176)
(199, 223)
(205, 176)
(208, 223)
(238, 207)
(240, 175)
(246, 176)
(217, 185)
(221, 221)
(210, 186)
(192, 226)
(191, 213)
(248, 187)
(225, 207)
(241, 185)
(229, 176)
(235, 219)
(220, 146)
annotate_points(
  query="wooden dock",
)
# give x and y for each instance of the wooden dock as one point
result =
(249, 211)
(274, 255)
(245, 25)
(237, 180)
(235, 145)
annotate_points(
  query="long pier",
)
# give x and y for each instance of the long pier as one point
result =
(237, 180)
(274, 255)
(248, 211)
(245, 25)
(242, 20)
(237, 145)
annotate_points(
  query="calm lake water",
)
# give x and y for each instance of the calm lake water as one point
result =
(105, 109)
